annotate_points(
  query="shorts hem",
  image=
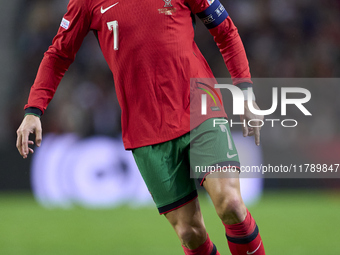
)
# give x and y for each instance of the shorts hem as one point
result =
(179, 203)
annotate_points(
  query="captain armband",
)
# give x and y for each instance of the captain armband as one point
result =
(214, 15)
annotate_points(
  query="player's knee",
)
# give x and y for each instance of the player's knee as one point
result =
(231, 209)
(190, 236)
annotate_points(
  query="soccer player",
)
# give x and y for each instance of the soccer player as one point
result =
(150, 49)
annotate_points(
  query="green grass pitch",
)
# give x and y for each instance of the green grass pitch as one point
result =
(294, 223)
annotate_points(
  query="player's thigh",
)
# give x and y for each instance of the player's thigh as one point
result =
(212, 149)
(188, 224)
(188, 215)
(222, 186)
(224, 191)
(165, 169)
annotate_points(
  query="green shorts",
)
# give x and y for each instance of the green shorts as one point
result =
(169, 169)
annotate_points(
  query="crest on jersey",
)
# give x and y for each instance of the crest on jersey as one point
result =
(210, 2)
(167, 3)
(168, 8)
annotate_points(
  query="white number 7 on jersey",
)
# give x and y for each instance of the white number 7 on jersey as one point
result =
(113, 26)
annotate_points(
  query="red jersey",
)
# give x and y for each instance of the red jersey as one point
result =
(150, 49)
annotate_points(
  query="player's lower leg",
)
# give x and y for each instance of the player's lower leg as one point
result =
(241, 229)
(207, 248)
(188, 223)
(244, 237)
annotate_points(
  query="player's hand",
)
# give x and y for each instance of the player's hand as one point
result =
(248, 115)
(31, 124)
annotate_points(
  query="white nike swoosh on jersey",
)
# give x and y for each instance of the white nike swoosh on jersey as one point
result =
(258, 247)
(231, 156)
(102, 11)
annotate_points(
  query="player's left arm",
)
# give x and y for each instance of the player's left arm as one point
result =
(217, 20)
(231, 47)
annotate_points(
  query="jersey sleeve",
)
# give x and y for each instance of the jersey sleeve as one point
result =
(217, 20)
(73, 28)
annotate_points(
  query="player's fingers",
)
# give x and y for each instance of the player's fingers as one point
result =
(244, 127)
(251, 131)
(19, 147)
(257, 136)
(38, 136)
(245, 131)
(30, 150)
(24, 143)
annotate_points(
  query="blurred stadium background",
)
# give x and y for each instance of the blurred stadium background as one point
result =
(283, 39)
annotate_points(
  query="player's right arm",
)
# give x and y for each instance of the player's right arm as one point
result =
(74, 27)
